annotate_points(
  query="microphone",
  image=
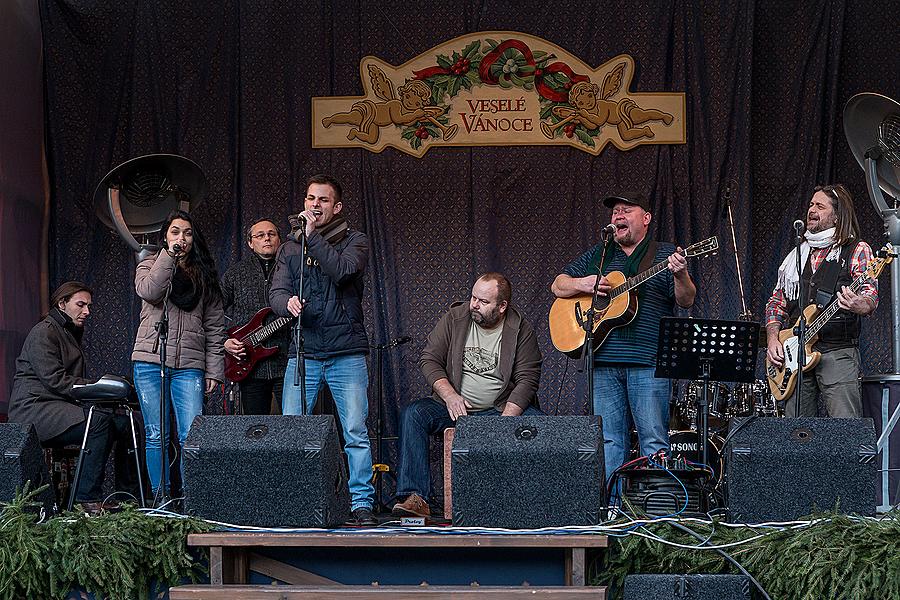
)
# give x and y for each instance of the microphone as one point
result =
(609, 229)
(799, 226)
(176, 248)
(299, 220)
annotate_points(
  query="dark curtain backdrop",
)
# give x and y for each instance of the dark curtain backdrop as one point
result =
(23, 190)
(230, 88)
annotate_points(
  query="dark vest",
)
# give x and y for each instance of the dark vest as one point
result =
(842, 330)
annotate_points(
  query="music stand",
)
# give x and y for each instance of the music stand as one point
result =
(709, 350)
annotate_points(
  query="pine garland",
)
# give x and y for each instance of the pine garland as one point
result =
(835, 557)
(114, 556)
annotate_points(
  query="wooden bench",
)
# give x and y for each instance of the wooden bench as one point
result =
(381, 592)
(232, 557)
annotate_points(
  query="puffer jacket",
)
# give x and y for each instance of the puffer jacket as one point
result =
(196, 338)
(333, 283)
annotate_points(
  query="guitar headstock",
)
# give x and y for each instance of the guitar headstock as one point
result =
(882, 258)
(707, 246)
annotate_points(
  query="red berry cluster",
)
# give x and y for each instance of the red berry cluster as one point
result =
(569, 130)
(460, 67)
(421, 132)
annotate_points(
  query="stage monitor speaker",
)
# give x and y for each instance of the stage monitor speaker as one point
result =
(687, 587)
(23, 460)
(267, 471)
(528, 472)
(785, 469)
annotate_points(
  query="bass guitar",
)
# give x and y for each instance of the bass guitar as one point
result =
(618, 308)
(253, 333)
(782, 380)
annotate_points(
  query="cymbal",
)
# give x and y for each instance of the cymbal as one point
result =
(150, 187)
(862, 116)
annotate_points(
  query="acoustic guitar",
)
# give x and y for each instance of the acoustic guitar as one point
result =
(253, 333)
(618, 308)
(782, 380)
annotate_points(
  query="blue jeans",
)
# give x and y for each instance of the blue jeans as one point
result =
(186, 387)
(625, 393)
(348, 379)
(422, 419)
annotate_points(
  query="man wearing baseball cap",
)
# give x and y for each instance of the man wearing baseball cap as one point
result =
(625, 388)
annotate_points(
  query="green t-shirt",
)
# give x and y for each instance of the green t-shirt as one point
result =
(481, 381)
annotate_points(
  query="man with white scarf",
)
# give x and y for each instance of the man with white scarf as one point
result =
(833, 256)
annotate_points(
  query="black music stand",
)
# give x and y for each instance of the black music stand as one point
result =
(709, 350)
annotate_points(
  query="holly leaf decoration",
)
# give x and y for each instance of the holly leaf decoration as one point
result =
(443, 61)
(584, 137)
(470, 50)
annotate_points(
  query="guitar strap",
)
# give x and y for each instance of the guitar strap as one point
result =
(649, 257)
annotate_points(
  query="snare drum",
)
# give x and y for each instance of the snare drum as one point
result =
(686, 444)
(718, 397)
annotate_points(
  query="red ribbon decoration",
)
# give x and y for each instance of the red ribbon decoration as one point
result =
(430, 71)
(484, 70)
(550, 94)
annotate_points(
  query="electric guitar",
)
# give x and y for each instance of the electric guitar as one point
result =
(253, 333)
(618, 308)
(782, 380)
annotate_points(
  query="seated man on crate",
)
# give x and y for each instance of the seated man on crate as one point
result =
(480, 359)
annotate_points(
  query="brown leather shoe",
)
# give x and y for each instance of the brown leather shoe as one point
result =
(413, 506)
(98, 508)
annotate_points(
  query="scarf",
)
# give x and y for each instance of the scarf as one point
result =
(788, 277)
(185, 293)
(632, 261)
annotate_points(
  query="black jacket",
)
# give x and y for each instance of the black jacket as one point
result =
(50, 363)
(333, 284)
(245, 290)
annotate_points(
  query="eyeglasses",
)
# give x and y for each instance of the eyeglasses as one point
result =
(265, 234)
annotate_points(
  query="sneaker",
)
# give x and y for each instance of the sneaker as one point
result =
(363, 516)
(413, 506)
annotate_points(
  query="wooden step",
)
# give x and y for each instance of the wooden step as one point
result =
(380, 592)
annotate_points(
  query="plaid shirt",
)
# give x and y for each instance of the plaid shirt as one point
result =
(776, 307)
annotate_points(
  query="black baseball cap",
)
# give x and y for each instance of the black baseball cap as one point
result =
(635, 198)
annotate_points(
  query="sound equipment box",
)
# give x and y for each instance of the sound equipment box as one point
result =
(687, 587)
(22, 461)
(267, 471)
(528, 471)
(785, 469)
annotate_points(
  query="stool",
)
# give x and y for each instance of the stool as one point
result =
(110, 391)
(448, 479)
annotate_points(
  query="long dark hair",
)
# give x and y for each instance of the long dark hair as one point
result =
(847, 228)
(198, 264)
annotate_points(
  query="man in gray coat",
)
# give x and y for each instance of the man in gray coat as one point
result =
(51, 362)
(480, 359)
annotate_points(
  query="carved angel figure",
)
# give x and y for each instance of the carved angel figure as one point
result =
(368, 116)
(592, 107)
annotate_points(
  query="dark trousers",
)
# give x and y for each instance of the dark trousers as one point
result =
(257, 394)
(99, 442)
(422, 419)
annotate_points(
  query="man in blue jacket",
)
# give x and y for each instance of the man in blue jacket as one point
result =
(334, 337)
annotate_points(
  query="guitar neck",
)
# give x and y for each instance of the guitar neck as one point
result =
(639, 279)
(823, 317)
(263, 333)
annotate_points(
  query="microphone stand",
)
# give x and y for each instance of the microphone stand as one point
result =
(801, 326)
(300, 366)
(162, 328)
(587, 348)
(380, 467)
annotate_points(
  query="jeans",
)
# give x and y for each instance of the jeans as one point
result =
(348, 379)
(186, 387)
(422, 419)
(625, 393)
